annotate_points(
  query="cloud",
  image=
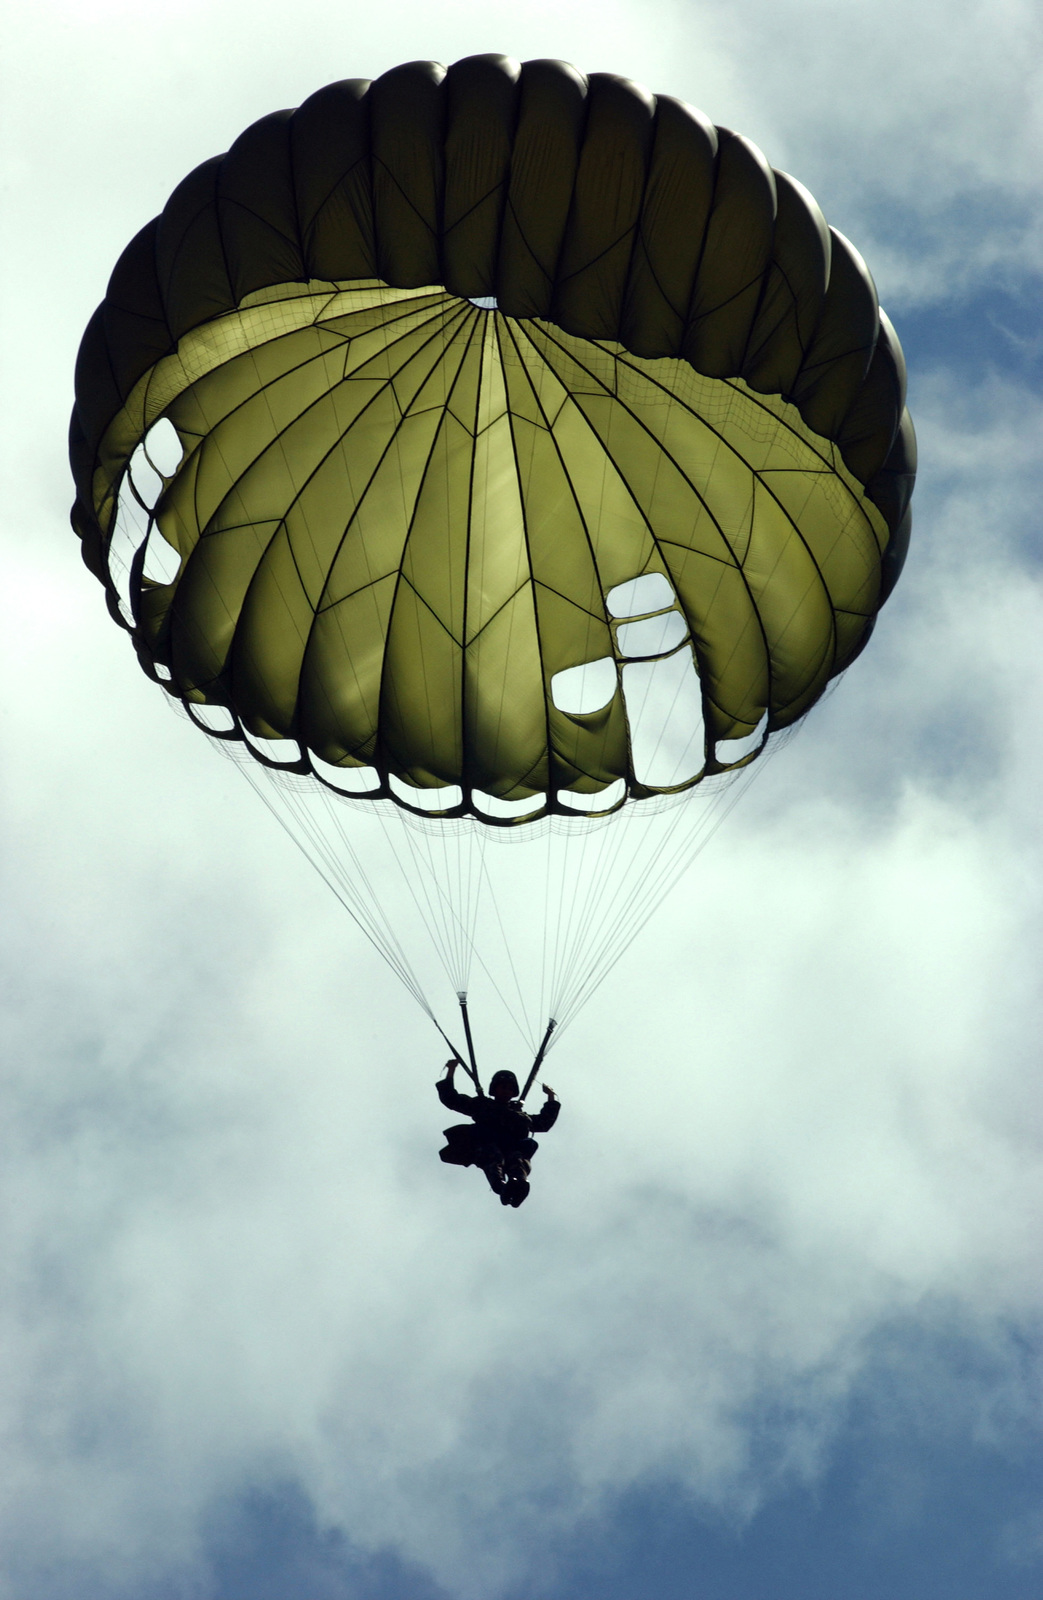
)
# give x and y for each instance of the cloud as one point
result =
(915, 129)
(801, 1111)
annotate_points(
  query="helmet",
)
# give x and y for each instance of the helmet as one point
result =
(505, 1078)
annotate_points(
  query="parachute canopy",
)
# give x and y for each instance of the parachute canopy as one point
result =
(422, 428)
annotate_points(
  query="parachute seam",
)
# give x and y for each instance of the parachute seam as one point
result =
(764, 279)
(711, 311)
(178, 251)
(695, 490)
(547, 731)
(550, 588)
(581, 134)
(681, 313)
(827, 361)
(641, 243)
(587, 265)
(340, 179)
(895, 392)
(378, 161)
(219, 168)
(230, 203)
(567, 476)
(766, 487)
(767, 342)
(319, 400)
(465, 754)
(429, 607)
(446, 231)
(229, 658)
(247, 400)
(405, 544)
(291, 170)
(701, 253)
(280, 434)
(638, 240)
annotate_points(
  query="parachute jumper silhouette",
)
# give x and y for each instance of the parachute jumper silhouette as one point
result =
(501, 448)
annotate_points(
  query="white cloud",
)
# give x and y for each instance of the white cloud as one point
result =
(917, 128)
(801, 1109)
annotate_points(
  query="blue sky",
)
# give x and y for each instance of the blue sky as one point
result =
(770, 1324)
(909, 1503)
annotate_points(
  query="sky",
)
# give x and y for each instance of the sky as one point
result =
(770, 1323)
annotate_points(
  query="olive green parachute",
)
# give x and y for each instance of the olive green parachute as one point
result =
(481, 388)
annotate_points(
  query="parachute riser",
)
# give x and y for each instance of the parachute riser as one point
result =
(471, 1070)
(541, 1052)
(456, 1054)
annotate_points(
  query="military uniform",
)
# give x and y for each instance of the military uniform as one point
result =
(498, 1139)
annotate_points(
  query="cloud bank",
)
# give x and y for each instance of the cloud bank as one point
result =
(802, 1113)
